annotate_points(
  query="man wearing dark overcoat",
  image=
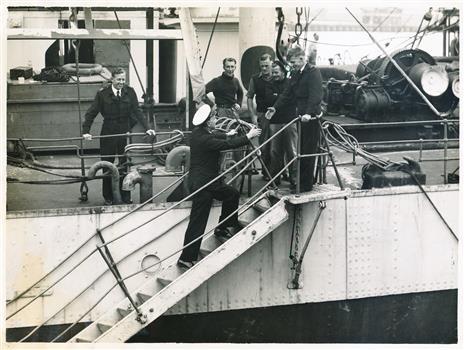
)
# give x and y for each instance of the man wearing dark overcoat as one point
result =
(305, 90)
(118, 105)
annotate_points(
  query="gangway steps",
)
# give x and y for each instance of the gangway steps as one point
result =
(172, 284)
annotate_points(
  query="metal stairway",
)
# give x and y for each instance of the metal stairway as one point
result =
(172, 283)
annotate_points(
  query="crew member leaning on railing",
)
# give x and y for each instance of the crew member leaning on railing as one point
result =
(205, 150)
(305, 89)
(118, 105)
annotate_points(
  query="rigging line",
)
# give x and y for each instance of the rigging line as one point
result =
(350, 45)
(384, 20)
(210, 38)
(130, 55)
(431, 202)
(314, 18)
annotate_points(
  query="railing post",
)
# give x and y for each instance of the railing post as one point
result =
(445, 150)
(298, 156)
(339, 179)
(421, 147)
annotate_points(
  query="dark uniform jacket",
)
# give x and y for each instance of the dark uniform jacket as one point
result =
(205, 148)
(261, 88)
(305, 89)
(119, 115)
(286, 111)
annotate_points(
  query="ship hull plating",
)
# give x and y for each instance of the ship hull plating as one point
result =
(427, 318)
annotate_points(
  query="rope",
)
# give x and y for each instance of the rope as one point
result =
(210, 38)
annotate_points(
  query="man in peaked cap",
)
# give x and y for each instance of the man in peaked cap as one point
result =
(205, 151)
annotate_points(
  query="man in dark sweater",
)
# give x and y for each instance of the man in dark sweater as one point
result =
(283, 146)
(205, 150)
(304, 89)
(260, 87)
(118, 105)
(228, 94)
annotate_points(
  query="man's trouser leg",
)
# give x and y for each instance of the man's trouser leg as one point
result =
(276, 154)
(121, 144)
(289, 140)
(201, 206)
(230, 198)
(107, 147)
(309, 141)
(266, 150)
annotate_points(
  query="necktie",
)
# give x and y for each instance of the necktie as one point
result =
(118, 95)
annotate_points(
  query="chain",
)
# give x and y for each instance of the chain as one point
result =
(306, 12)
(297, 233)
(298, 26)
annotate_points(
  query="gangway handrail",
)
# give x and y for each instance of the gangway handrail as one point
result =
(251, 199)
(141, 225)
(117, 262)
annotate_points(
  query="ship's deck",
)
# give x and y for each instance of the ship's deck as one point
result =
(32, 197)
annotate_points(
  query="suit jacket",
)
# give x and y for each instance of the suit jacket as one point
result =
(119, 115)
(304, 90)
(205, 152)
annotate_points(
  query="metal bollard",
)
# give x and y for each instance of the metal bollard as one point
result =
(146, 185)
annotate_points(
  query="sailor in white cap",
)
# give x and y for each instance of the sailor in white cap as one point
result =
(205, 151)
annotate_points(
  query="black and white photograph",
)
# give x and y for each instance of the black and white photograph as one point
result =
(232, 173)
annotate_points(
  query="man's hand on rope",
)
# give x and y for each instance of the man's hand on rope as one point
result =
(87, 137)
(150, 132)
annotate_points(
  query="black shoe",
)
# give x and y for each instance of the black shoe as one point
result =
(108, 202)
(224, 232)
(185, 264)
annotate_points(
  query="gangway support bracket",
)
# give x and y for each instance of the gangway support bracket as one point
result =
(298, 262)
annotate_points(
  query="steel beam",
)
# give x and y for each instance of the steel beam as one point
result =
(96, 34)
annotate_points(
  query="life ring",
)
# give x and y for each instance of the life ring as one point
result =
(84, 68)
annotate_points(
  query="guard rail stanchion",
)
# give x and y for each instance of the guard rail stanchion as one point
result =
(445, 150)
(330, 152)
(84, 189)
(298, 156)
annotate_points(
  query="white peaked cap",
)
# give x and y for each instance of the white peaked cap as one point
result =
(201, 115)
